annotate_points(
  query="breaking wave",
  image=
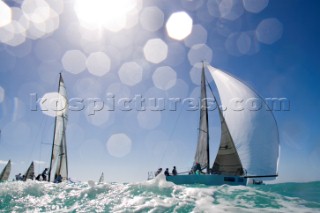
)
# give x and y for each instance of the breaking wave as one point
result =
(157, 195)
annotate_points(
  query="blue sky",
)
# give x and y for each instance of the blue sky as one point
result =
(271, 45)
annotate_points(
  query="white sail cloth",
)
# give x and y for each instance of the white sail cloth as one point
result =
(202, 152)
(59, 164)
(251, 124)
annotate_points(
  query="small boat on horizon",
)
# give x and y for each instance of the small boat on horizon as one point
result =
(101, 179)
(249, 145)
(29, 174)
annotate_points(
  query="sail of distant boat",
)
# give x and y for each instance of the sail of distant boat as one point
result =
(59, 160)
(249, 144)
(101, 179)
(29, 173)
(6, 172)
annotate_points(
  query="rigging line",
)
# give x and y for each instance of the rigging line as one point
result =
(4, 148)
(171, 134)
(0, 138)
(46, 143)
(170, 137)
(260, 176)
(202, 130)
(34, 140)
(37, 138)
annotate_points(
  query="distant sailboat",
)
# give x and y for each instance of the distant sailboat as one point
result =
(59, 158)
(249, 145)
(29, 173)
(6, 172)
(101, 179)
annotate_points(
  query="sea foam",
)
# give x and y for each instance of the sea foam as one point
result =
(157, 195)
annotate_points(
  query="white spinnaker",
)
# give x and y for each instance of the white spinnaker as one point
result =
(254, 132)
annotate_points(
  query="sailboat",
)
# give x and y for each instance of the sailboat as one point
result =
(29, 173)
(101, 179)
(6, 172)
(249, 145)
(59, 158)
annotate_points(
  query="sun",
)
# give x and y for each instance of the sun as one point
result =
(108, 14)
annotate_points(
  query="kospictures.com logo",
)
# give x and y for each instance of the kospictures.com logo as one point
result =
(57, 103)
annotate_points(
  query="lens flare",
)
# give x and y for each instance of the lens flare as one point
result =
(179, 25)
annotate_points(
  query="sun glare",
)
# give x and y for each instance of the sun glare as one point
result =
(5, 15)
(108, 14)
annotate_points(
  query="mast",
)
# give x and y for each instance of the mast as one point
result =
(204, 98)
(202, 154)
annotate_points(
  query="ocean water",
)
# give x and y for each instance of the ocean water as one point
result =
(157, 195)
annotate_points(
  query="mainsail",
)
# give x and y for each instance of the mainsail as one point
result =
(202, 153)
(253, 130)
(6, 172)
(59, 163)
(29, 173)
